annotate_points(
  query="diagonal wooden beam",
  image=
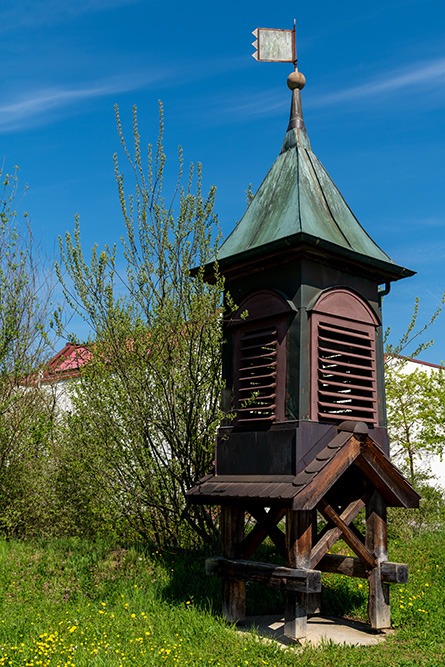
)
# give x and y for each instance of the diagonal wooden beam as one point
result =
(323, 481)
(314, 527)
(266, 526)
(386, 478)
(351, 540)
(339, 510)
(331, 535)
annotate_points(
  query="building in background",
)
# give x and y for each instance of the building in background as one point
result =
(426, 462)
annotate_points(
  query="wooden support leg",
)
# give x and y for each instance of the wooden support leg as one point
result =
(314, 599)
(298, 554)
(233, 592)
(376, 541)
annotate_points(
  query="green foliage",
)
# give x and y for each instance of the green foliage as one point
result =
(412, 335)
(404, 524)
(249, 194)
(415, 401)
(146, 408)
(26, 411)
(416, 413)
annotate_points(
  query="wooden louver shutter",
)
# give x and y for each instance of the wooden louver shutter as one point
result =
(346, 371)
(256, 386)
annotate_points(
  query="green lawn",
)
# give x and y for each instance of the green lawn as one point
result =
(73, 602)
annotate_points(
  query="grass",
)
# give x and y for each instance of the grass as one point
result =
(75, 603)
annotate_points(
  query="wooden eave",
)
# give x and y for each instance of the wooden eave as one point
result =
(302, 245)
(305, 491)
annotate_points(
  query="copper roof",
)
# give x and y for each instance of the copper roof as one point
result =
(299, 204)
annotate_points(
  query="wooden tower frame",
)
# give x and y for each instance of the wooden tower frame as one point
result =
(303, 367)
(350, 474)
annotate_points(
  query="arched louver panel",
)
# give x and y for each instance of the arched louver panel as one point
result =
(344, 384)
(256, 393)
(259, 359)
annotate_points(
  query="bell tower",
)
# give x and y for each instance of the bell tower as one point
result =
(304, 349)
(303, 371)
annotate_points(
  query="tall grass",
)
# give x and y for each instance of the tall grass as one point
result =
(71, 603)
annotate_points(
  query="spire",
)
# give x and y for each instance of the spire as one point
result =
(298, 206)
(296, 130)
(296, 111)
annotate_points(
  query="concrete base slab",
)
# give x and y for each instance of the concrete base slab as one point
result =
(319, 629)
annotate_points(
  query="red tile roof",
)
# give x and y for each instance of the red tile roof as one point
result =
(67, 363)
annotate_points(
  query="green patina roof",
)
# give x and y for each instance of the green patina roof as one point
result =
(299, 201)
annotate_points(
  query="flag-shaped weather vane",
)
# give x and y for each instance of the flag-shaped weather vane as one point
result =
(279, 46)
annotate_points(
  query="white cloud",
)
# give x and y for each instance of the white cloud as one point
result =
(422, 77)
(416, 77)
(24, 109)
(36, 102)
(31, 13)
(427, 254)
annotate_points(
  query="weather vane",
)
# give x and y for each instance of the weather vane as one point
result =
(279, 46)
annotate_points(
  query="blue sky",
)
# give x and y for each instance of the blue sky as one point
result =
(374, 107)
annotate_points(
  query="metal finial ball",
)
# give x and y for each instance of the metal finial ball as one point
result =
(296, 80)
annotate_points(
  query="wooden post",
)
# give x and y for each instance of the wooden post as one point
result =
(232, 534)
(379, 613)
(298, 554)
(314, 599)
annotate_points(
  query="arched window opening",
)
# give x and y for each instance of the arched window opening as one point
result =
(259, 359)
(343, 359)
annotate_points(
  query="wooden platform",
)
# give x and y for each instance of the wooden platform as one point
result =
(320, 629)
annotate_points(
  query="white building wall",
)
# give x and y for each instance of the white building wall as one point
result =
(431, 461)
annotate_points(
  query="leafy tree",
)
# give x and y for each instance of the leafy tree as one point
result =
(146, 408)
(416, 408)
(412, 336)
(416, 400)
(26, 412)
(416, 424)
